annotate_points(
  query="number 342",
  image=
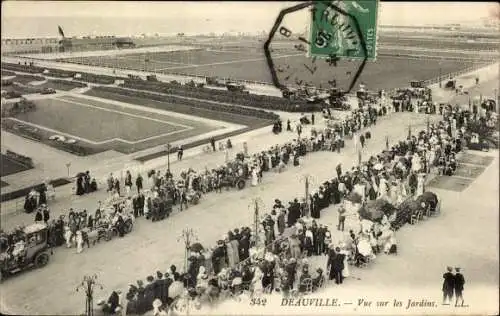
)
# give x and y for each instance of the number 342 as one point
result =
(256, 301)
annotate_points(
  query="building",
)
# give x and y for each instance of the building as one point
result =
(29, 45)
(51, 45)
(94, 43)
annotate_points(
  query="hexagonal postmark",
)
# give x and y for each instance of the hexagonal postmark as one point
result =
(322, 45)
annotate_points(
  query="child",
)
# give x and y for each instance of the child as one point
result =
(327, 241)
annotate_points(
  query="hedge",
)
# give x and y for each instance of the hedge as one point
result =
(93, 78)
(61, 73)
(241, 98)
(24, 160)
(28, 78)
(67, 83)
(6, 73)
(192, 105)
(22, 68)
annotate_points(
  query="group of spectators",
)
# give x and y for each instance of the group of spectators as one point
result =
(85, 183)
(235, 266)
(231, 266)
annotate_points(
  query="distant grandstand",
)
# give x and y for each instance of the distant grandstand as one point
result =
(94, 43)
(65, 44)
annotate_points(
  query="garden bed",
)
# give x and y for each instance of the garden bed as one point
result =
(6, 73)
(185, 106)
(64, 85)
(22, 68)
(25, 79)
(42, 136)
(234, 97)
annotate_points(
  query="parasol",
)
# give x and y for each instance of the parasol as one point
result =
(364, 248)
(427, 198)
(196, 247)
(354, 198)
(371, 214)
(410, 205)
(378, 166)
(381, 205)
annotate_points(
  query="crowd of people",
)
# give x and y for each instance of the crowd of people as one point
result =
(238, 264)
(36, 198)
(275, 257)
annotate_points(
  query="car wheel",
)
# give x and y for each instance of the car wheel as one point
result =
(241, 184)
(109, 235)
(41, 260)
(128, 227)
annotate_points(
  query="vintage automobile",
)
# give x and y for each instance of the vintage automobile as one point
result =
(30, 250)
(47, 91)
(214, 81)
(161, 208)
(235, 87)
(451, 84)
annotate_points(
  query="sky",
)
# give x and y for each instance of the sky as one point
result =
(27, 18)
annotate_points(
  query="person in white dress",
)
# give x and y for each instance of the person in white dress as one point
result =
(257, 281)
(255, 177)
(416, 163)
(420, 184)
(347, 253)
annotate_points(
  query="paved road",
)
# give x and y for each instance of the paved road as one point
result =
(153, 246)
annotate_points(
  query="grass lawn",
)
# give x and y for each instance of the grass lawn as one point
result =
(100, 125)
(9, 166)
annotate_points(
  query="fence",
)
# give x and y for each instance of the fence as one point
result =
(185, 76)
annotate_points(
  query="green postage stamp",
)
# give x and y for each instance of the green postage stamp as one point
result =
(335, 34)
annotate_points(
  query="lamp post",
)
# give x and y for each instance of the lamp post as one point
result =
(440, 83)
(68, 165)
(255, 205)
(307, 179)
(387, 142)
(168, 156)
(187, 236)
(87, 285)
(496, 100)
(428, 123)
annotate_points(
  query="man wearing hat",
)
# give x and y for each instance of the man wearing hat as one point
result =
(281, 221)
(318, 280)
(339, 170)
(336, 265)
(342, 215)
(158, 286)
(458, 284)
(149, 293)
(113, 303)
(448, 285)
(38, 215)
(46, 213)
